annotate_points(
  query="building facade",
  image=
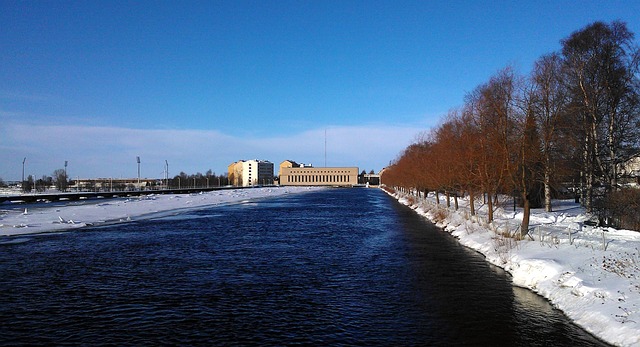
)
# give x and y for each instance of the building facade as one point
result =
(294, 174)
(114, 184)
(629, 170)
(245, 173)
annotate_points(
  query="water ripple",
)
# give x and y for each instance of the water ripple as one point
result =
(337, 267)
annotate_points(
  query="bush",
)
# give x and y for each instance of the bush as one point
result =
(439, 215)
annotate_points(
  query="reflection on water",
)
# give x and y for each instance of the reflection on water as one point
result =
(333, 267)
(527, 300)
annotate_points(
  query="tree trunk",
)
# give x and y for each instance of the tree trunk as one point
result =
(437, 198)
(446, 193)
(524, 227)
(472, 206)
(490, 207)
(455, 201)
(612, 153)
(547, 185)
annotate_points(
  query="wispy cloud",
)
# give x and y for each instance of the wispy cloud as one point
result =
(44, 98)
(94, 151)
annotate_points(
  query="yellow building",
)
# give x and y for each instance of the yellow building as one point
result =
(294, 174)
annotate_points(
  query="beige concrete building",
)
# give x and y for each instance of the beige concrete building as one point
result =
(294, 174)
(245, 173)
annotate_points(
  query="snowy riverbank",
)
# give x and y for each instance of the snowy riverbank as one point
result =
(590, 273)
(40, 218)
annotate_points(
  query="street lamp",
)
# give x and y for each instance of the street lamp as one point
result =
(23, 161)
(166, 174)
(64, 187)
(138, 160)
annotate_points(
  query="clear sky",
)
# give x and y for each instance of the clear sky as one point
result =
(203, 84)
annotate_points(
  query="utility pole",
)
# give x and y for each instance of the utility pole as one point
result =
(325, 147)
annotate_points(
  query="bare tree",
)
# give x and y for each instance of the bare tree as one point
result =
(60, 179)
(602, 67)
(28, 185)
(549, 106)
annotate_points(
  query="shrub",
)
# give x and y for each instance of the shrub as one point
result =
(439, 215)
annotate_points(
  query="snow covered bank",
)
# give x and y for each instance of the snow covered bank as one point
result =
(39, 218)
(590, 273)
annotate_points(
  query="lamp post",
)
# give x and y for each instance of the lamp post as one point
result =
(23, 161)
(138, 160)
(66, 180)
(166, 174)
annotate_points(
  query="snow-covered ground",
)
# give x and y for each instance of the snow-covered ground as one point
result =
(41, 218)
(590, 273)
(10, 191)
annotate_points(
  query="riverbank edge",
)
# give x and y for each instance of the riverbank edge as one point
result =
(444, 224)
(65, 226)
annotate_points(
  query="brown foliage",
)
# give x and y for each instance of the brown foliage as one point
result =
(530, 135)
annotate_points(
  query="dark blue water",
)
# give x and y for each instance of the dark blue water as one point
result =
(335, 267)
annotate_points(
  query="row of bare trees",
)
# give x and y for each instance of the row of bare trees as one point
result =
(570, 123)
(62, 182)
(59, 180)
(198, 180)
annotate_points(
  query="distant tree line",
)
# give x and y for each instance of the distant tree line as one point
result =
(198, 180)
(61, 182)
(570, 123)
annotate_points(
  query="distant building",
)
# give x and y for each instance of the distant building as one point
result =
(371, 180)
(245, 173)
(630, 169)
(294, 174)
(114, 184)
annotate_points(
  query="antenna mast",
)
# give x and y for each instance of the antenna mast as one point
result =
(325, 147)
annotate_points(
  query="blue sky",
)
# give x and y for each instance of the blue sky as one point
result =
(203, 84)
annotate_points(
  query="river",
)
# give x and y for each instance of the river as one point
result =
(331, 267)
